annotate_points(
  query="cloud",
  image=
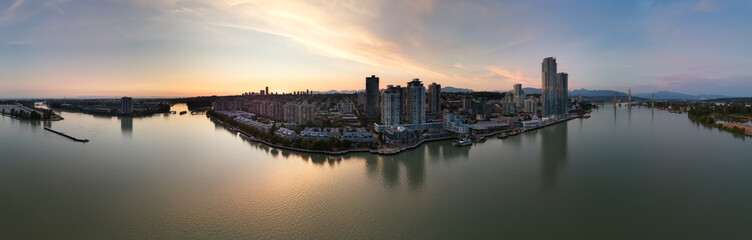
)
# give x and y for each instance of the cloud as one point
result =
(512, 77)
(459, 65)
(10, 13)
(697, 83)
(18, 43)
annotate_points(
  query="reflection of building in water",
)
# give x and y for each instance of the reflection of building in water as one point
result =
(126, 125)
(554, 151)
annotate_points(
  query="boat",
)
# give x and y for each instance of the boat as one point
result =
(480, 139)
(183, 112)
(502, 135)
(463, 142)
(513, 133)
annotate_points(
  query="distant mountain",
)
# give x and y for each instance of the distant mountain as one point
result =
(532, 90)
(711, 96)
(596, 93)
(337, 92)
(666, 95)
(449, 89)
(583, 92)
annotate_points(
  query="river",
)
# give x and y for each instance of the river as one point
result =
(624, 173)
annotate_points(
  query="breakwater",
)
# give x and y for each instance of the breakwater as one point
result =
(67, 136)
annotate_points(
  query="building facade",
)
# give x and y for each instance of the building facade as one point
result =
(519, 95)
(416, 102)
(391, 106)
(126, 105)
(562, 93)
(550, 92)
(434, 98)
(531, 105)
(306, 113)
(290, 112)
(372, 97)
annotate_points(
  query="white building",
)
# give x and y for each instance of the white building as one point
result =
(390, 105)
(531, 105)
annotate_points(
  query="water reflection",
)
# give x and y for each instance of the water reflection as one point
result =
(554, 152)
(126, 125)
(389, 167)
(629, 115)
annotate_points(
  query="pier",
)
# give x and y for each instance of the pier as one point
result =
(68, 136)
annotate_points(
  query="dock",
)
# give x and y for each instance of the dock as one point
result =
(68, 136)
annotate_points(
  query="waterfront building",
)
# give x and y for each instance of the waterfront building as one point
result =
(549, 99)
(531, 124)
(126, 105)
(562, 93)
(434, 98)
(357, 135)
(455, 124)
(416, 102)
(400, 134)
(372, 97)
(314, 133)
(519, 96)
(286, 133)
(306, 113)
(391, 105)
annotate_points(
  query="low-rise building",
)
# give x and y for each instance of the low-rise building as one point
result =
(286, 133)
(455, 124)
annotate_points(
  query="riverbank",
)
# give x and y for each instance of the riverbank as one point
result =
(379, 151)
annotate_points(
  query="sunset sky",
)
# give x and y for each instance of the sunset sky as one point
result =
(70, 48)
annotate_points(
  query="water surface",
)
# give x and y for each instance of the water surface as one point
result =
(622, 174)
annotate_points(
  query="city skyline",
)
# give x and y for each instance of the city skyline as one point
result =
(177, 48)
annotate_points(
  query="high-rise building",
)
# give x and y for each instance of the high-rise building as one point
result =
(391, 105)
(519, 96)
(467, 102)
(372, 97)
(434, 98)
(273, 109)
(267, 91)
(549, 87)
(562, 93)
(126, 105)
(306, 113)
(416, 105)
(531, 105)
(290, 112)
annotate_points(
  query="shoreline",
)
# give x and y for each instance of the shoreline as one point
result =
(372, 151)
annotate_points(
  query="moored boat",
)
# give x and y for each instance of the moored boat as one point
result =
(502, 135)
(463, 142)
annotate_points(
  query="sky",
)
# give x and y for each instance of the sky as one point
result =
(146, 48)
